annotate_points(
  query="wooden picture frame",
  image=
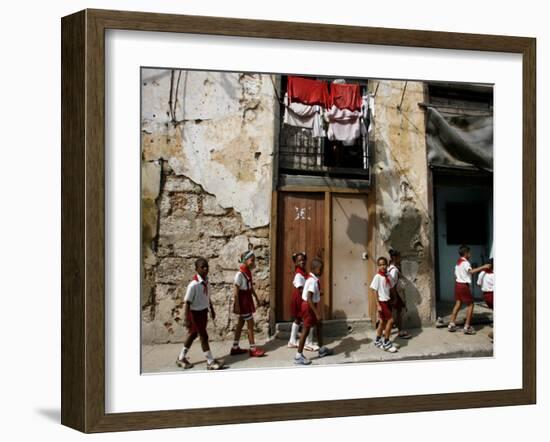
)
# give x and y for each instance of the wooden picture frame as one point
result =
(83, 219)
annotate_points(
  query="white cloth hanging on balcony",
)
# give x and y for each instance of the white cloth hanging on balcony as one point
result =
(343, 125)
(304, 116)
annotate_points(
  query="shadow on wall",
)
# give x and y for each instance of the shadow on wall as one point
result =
(403, 224)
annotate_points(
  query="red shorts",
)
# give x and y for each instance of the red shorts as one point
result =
(198, 320)
(296, 304)
(385, 313)
(308, 315)
(246, 303)
(488, 298)
(463, 292)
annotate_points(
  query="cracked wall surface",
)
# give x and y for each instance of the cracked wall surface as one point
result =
(400, 179)
(207, 145)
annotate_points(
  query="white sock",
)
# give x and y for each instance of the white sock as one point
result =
(183, 353)
(209, 356)
(252, 346)
(294, 333)
(299, 355)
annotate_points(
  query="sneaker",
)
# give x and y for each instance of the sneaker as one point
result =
(256, 352)
(311, 347)
(452, 328)
(301, 360)
(215, 365)
(469, 330)
(324, 351)
(292, 345)
(184, 363)
(237, 351)
(378, 343)
(388, 346)
(404, 335)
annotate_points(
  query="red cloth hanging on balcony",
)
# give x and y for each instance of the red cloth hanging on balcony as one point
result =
(345, 96)
(308, 91)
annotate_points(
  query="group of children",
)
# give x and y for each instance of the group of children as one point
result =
(306, 306)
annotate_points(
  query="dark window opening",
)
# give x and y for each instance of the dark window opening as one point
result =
(467, 223)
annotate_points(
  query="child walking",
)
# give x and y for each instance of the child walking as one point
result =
(486, 281)
(394, 272)
(381, 285)
(243, 305)
(463, 293)
(311, 313)
(197, 303)
(298, 283)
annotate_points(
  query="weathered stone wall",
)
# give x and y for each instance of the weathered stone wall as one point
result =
(400, 179)
(206, 191)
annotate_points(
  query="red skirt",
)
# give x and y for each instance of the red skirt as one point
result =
(308, 315)
(246, 303)
(296, 304)
(198, 320)
(463, 292)
(386, 311)
(488, 298)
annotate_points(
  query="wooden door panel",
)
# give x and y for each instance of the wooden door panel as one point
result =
(300, 228)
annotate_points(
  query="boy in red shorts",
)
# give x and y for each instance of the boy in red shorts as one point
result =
(197, 303)
(381, 285)
(463, 293)
(486, 281)
(311, 313)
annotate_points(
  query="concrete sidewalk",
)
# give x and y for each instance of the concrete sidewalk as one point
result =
(356, 347)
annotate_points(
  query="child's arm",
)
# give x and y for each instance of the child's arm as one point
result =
(212, 312)
(255, 296)
(186, 314)
(375, 294)
(479, 269)
(236, 306)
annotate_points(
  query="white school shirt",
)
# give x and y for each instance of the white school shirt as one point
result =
(242, 282)
(393, 273)
(197, 294)
(312, 285)
(299, 280)
(486, 281)
(381, 286)
(461, 272)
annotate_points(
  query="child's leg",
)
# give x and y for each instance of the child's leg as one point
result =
(381, 327)
(238, 330)
(454, 314)
(469, 315)
(187, 345)
(398, 318)
(303, 337)
(250, 325)
(204, 341)
(319, 327)
(387, 330)
(294, 332)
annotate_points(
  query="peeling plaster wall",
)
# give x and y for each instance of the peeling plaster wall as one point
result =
(206, 191)
(400, 179)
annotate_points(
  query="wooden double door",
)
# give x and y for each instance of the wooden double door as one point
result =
(334, 228)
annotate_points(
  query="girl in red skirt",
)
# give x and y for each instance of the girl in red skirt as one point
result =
(394, 272)
(463, 293)
(197, 303)
(298, 283)
(243, 305)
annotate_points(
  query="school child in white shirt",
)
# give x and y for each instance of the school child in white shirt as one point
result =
(394, 272)
(197, 303)
(298, 282)
(463, 293)
(486, 281)
(380, 286)
(243, 305)
(311, 313)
